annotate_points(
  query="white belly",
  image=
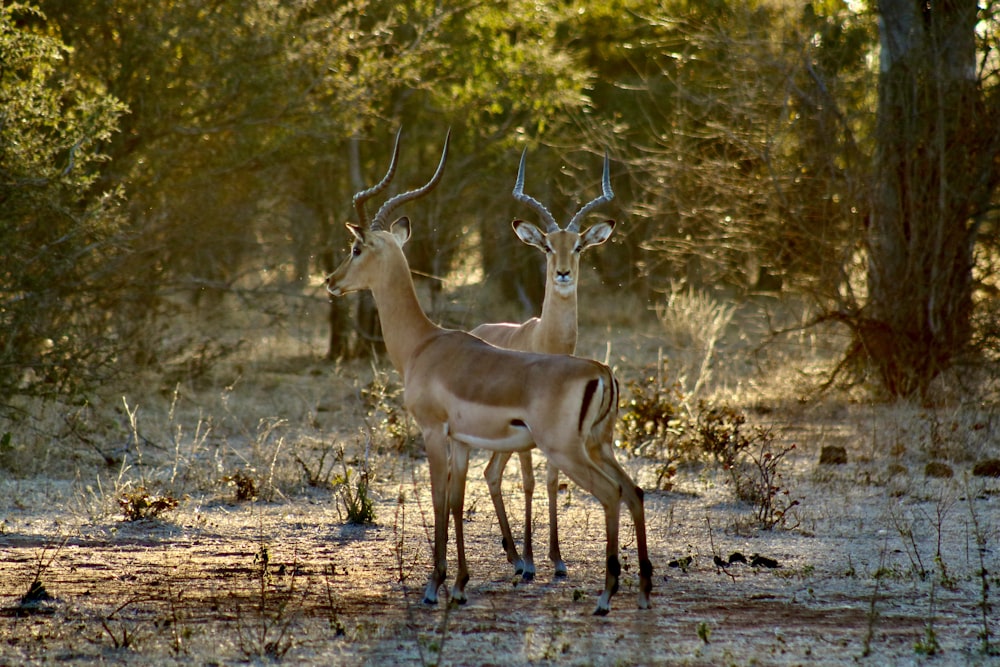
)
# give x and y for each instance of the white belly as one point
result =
(516, 439)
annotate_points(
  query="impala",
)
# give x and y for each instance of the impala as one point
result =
(464, 393)
(554, 332)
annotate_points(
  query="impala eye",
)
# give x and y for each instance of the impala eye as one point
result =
(356, 251)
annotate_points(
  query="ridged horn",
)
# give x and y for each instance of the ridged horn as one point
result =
(360, 198)
(539, 207)
(606, 196)
(395, 202)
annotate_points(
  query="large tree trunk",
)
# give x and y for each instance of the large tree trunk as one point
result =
(336, 343)
(928, 170)
(368, 326)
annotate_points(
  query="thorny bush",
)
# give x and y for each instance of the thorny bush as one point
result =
(652, 423)
(138, 504)
(657, 426)
(383, 402)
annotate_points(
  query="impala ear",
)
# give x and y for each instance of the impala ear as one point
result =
(597, 234)
(401, 230)
(529, 234)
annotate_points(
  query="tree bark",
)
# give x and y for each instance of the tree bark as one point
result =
(922, 231)
(367, 323)
(336, 343)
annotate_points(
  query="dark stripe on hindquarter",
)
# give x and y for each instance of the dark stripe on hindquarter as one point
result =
(612, 404)
(609, 399)
(588, 396)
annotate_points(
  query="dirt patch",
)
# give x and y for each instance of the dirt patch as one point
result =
(877, 563)
(878, 571)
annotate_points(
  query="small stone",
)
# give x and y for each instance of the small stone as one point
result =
(938, 469)
(987, 468)
(896, 469)
(763, 561)
(832, 455)
(682, 563)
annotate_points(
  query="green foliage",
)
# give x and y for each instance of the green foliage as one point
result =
(651, 415)
(60, 225)
(719, 432)
(518, 75)
(755, 141)
(704, 631)
(6, 451)
(742, 138)
(928, 644)
(355, 494)
(353, 485)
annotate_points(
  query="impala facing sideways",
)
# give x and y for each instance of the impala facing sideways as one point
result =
(462, 392)
(554, 332)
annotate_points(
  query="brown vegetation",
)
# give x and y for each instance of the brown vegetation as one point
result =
(875, 560)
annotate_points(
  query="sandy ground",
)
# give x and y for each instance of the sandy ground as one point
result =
(882, 567)
(878, 564)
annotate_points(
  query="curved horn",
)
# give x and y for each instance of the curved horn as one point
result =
(539, 207)
(363, 196)
(606, 196)
(395, 202)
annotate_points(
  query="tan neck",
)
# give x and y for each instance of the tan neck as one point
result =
(557, 330)
(405, 326)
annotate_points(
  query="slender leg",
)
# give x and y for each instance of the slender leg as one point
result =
(436, 444)
(528, 482)
(552, 486)
(613, 570)
(494, 475)
(456, 496)
(645, 565)
(601, 450)
(601, 480)
(633, 497)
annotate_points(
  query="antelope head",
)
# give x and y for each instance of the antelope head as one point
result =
(562, 245)
(361, 269)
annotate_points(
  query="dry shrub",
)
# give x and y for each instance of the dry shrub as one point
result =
(656, 425)
(693, 324)
(386, 416)
(138, 504)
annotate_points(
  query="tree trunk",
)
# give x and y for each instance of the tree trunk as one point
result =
(328, 262)
(921, 236)
(369, 328)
